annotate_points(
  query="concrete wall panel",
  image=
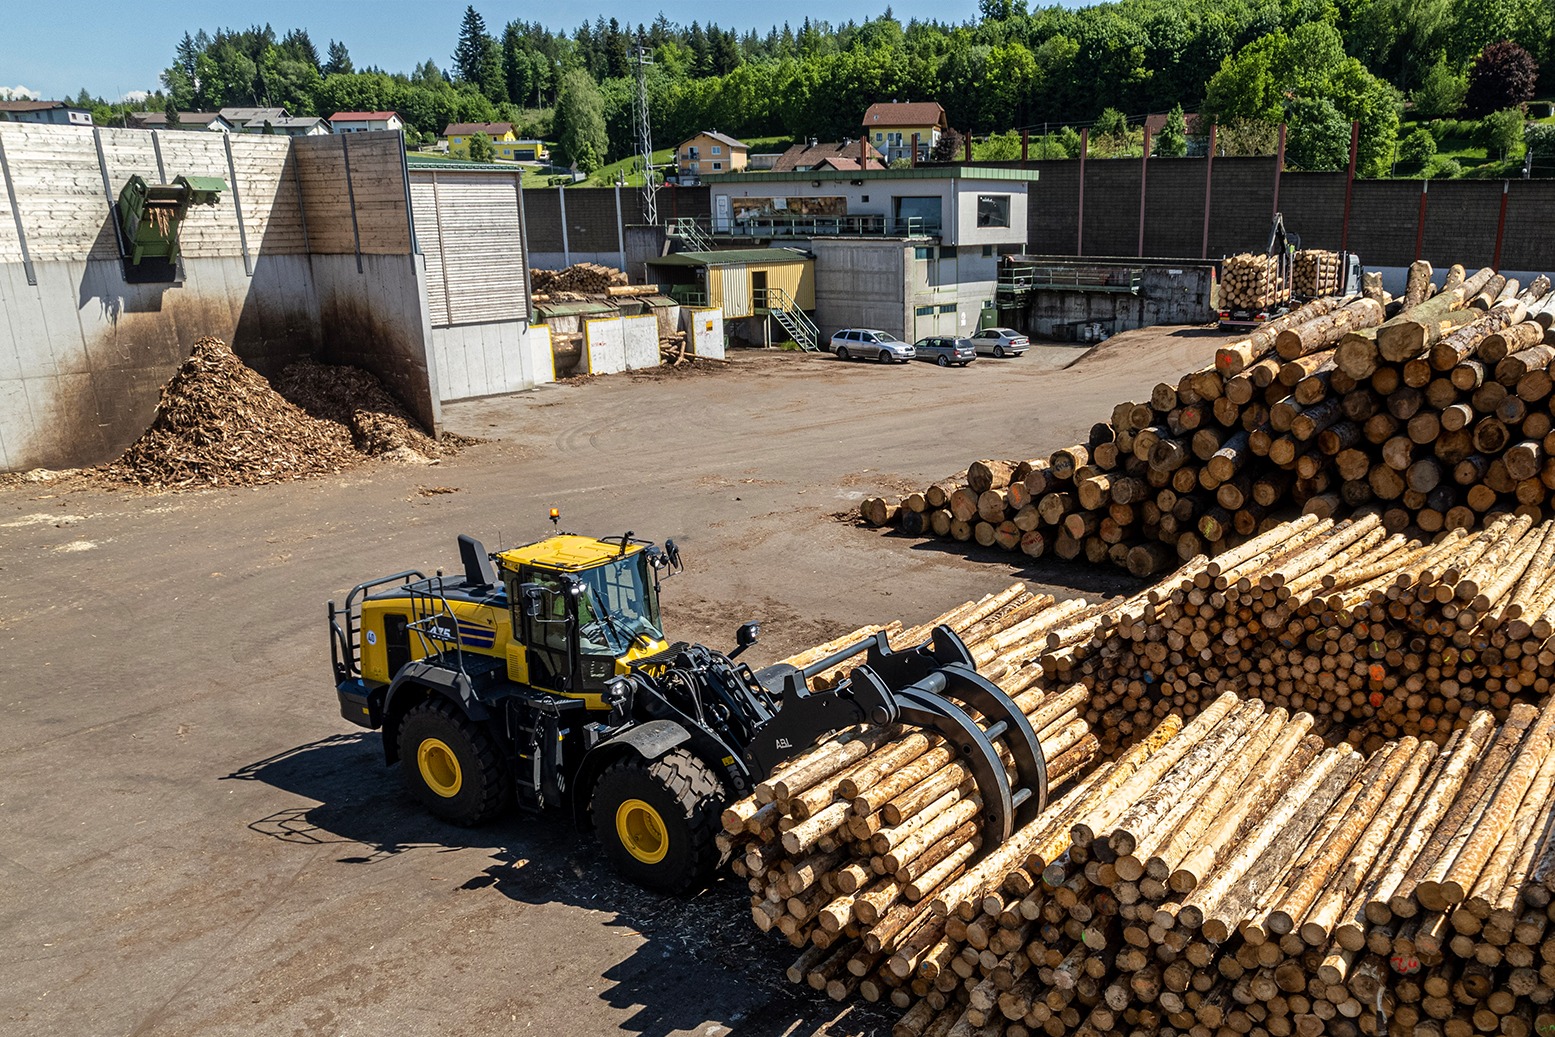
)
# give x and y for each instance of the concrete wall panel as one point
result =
(640, 336)
(705, 332)
(603, 345)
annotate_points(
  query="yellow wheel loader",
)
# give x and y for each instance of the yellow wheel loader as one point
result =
(546, 680)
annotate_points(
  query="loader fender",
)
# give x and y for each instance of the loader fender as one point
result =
(649, 740)
(415, 683)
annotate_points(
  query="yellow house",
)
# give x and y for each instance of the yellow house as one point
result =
(509, 148)
(890, 126)
(710, 152)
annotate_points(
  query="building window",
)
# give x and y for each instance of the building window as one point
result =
(924, 311)
(717, 149)
(948, 307)
(987, 251)
(993, 210)
(880, 136)
(923, 253)
(717, 166)
(947, 252)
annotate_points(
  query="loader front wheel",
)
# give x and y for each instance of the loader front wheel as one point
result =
(658, 820)
(451, 766)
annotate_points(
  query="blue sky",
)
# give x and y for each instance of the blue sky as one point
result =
(113, 48)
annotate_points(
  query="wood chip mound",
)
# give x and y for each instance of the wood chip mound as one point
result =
(221, 423)
(352, 397)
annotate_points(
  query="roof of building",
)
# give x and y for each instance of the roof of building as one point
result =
(809, 156)
(936, 172)
(465, 129)
(723, 257)
(908, 113)
(36, 106)
(363, 116)
(184, 118)
(724, 137)
(296, 120)
(422, 160)
(242, 114)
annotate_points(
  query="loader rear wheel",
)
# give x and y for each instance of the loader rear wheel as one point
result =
(658, 819)
(451, 766)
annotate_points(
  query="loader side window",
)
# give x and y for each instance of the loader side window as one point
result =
(546, 635)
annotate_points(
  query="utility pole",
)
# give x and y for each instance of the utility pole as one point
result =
(645, 140)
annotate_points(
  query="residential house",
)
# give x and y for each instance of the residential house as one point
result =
(890, 126)
(242, 118)
(709, 152)
(457, 136)
(57, 113)
(841, 155)
(210, 121)
(361, 122)
(298, 126)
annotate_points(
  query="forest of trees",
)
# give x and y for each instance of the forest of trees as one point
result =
(1249, 64)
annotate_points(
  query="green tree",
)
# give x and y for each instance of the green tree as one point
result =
(951, 147)
(470, 54)
(1440, 94)
(999, 147)
(1172, 141)
(1417, 149)
(482, 149)
(1319, 137)
(339, 60)
(1110, 123)
(579, 123)
(171, 111)
(1501, 132)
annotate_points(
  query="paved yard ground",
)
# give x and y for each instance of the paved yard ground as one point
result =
(196, 843)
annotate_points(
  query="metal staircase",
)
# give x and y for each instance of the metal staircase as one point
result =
(685, 228)
(800, 328)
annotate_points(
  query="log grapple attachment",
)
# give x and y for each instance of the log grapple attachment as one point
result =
(935, 686)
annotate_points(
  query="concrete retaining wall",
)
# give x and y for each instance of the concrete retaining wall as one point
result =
(705, 332)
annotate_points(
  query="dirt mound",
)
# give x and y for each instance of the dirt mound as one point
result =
(220, 423)
(352, 397)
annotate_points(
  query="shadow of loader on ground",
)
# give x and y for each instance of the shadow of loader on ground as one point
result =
(697, 955)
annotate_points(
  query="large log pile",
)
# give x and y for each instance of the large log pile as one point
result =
(1315, 273)
(1440, 415)
(1232, 866)
(580, 278)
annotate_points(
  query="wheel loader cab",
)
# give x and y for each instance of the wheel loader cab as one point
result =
(584, 611)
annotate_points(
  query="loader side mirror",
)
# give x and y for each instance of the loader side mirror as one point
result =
(534, 599)
(745, 636)
(672, 552)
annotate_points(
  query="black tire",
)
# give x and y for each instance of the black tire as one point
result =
(943, 361)
(685, 797)
(998, 351)
(884, 356)
(842, 352)
(435, 732)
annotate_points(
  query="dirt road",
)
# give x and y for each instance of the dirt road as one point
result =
(196, 843)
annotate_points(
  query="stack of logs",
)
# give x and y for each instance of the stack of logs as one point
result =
(1441, 415)
(580, 278)
(1315, 273)
(1252, 282)
(1240, 868)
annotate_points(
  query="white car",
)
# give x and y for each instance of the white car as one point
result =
(868, 344)
(1000, 342)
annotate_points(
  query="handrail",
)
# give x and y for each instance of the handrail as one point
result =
(793, 319)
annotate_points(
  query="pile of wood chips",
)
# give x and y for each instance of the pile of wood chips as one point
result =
(584, 278)
(356, 399)
(220, 423)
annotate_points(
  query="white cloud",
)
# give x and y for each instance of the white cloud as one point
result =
(135, 96)
(18, 93)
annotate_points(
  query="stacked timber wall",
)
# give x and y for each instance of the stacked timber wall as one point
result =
(297, 259)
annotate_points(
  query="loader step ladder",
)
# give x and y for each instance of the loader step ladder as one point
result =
(781, 305)
(685, 228)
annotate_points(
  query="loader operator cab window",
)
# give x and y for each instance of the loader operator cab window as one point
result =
(618, 606)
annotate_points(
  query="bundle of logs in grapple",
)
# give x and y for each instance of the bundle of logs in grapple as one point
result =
(1441, 414)
(1238, 870)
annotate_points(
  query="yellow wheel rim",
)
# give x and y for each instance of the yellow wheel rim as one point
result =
(641, 831)
(439, 767)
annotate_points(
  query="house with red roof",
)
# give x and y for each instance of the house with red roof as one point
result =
(890, 126)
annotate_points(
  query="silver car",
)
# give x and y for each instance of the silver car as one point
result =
(867, 343)
(1000, 342)
(945, 351)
